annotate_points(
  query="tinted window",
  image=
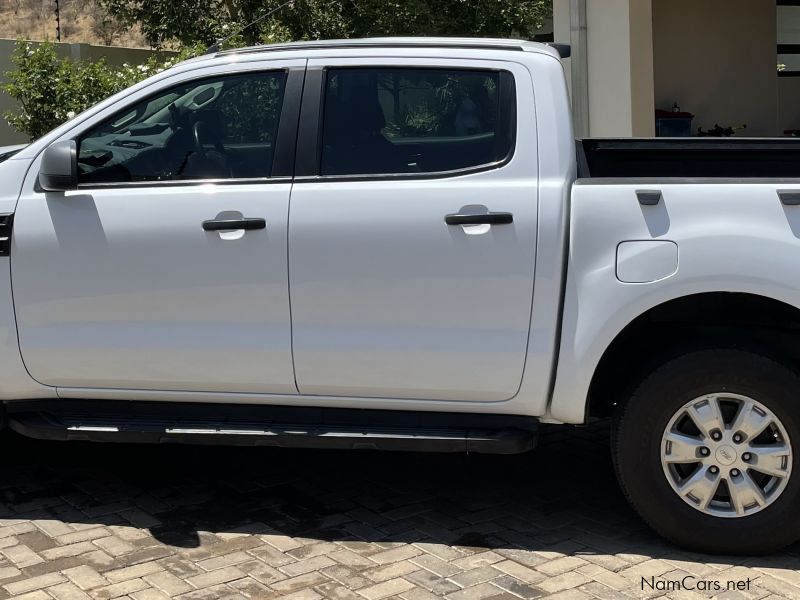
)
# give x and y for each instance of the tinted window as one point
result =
(209, 129)
(412, 121)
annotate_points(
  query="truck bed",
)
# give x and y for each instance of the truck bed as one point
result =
(777, 158)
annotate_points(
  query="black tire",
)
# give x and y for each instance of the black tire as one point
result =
(636, 447)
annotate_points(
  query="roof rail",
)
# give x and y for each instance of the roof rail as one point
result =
(398, 42)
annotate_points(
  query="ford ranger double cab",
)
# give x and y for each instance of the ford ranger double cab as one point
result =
(398, 244)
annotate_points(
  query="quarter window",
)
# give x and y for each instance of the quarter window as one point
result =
(395, 121)
(216, 128)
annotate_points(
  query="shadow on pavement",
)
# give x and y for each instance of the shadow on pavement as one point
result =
(562, 497)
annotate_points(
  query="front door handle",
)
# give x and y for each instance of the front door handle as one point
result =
(232, 224)
(492, 218)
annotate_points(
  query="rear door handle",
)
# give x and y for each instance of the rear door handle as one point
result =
(492, 218)
(648, 197)
(231, 224)
(789, 197)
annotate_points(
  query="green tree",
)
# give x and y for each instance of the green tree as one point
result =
(169, 22)
(50, 89)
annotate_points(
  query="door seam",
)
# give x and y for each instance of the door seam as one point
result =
(288, 225)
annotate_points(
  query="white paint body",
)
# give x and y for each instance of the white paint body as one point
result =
(212, 313)
(357, 295)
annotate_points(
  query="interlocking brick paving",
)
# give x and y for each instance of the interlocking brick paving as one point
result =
(82, 521)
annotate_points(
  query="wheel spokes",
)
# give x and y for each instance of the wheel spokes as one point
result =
(771, 460)
(744, 493)
(682, 448)
(750, 420)
(706, 416)
(701, 486)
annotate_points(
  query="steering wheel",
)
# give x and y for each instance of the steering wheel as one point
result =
(198, 142)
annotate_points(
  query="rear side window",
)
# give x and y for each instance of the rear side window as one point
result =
(214, 128)
(405, 121)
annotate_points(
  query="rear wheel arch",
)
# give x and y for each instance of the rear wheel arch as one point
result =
(687, 323)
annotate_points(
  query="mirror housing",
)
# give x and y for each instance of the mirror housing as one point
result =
(59, 169)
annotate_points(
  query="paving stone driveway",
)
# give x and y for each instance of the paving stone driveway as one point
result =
(105, 521)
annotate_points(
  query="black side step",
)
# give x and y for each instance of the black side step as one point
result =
(288, 427)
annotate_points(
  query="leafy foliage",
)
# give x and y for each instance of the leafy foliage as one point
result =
(166, 22)
(250, 108)
(50, 89)
(425, 104)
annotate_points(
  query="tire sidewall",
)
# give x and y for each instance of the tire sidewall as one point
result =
(638, 442)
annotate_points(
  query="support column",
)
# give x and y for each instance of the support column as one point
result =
(618, 92)
(569, 26)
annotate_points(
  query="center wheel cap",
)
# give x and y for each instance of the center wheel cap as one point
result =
(726, 455)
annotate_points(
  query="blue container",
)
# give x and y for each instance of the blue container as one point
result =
(674, 127)
(673, 123)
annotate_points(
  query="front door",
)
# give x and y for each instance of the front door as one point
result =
(392, 298)
(167, 268)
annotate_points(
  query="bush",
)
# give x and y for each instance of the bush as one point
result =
(50, 90)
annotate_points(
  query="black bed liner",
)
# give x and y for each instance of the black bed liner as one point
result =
(689, 157)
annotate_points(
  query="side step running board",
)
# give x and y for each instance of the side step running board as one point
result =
(289, 427)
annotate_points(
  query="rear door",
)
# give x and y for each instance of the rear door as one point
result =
(412, 229)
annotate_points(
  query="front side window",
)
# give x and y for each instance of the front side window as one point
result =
(215, 128)
(402, 120)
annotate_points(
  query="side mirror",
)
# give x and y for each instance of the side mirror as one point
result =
(59, 169)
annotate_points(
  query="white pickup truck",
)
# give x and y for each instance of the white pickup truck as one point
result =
(398, 244)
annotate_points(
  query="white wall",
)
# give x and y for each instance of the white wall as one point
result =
(608, 46)
(561, 32)
(620, 68)
(716, 59)
(642, 79)
(620, 64)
